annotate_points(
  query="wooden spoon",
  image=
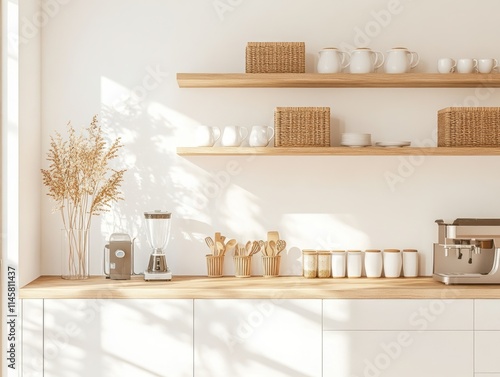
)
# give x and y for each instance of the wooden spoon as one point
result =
(229, 245)
(272, 247)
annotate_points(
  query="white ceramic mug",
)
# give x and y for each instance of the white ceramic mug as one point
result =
(206, 136)
(364, 60)
(332, 60)
(400, 60)
(233, 136)
(446, 65)
(486, 65)
(466, 65)
(260, 136)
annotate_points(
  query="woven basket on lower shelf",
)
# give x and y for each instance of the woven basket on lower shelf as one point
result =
(275, 57)
(302, 127)
(469, 127)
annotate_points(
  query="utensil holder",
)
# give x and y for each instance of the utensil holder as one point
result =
(215, 264)
(242, 266)
(271, 265)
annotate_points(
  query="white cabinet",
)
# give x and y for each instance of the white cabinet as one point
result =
(390, 338)
(487, 336)
(32, 338)
(254, 337)
(112, 337)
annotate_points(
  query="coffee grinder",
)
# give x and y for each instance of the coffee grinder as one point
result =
(158, 233)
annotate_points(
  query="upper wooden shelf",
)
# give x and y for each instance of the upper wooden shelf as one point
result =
(335, 151)
(337, 80)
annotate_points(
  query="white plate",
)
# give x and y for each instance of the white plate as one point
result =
(393, 143)
(347, 144)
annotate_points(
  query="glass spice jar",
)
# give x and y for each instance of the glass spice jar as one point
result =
(309, 263)
(324, 264)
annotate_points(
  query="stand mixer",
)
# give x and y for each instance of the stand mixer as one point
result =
(158, 232)
(467, 252)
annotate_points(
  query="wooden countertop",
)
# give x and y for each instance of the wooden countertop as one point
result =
(201, 287)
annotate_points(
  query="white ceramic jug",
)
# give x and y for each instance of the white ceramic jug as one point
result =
(400, 60)
(332, 60)
(233, 136)
(206, 136)
(260, 136)
(364, 60)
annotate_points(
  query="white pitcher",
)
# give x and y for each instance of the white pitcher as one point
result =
(233, 136)
(364, 60)
(332, 60)
(206, 136)
(400, 60)
(260, 136)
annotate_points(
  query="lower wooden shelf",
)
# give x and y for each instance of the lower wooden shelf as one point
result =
(337, 151)
(202, 287)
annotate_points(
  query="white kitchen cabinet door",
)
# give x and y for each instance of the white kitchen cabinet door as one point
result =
(487, 314)
(486, 345)
(32, 337)
(112, 337)
(257, 338)
(398, 314)
(398, 353)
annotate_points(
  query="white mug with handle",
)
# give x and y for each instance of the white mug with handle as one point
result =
(233, 136)
(206, 136)
(260, 136)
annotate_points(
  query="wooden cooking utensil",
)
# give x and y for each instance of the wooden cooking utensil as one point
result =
(272, 236)
(280, 246)
(210, 243)
(255, 248)
(229, 245)
(220, 248)
(262, 245)
(272, 247)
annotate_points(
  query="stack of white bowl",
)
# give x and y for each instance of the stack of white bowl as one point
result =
(356, 140)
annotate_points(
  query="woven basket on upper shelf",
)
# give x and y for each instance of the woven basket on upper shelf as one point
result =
(275, 57)
(469, 127)
(302, 127)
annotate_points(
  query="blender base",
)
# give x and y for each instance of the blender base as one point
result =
(165, 276)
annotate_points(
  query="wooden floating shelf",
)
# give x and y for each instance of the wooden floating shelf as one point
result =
(335, 151)
(337, 80)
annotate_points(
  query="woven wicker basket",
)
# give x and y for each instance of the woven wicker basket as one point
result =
(275, 57)
(469, 127)
(302, 127)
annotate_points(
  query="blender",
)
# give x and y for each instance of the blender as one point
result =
(158, 232)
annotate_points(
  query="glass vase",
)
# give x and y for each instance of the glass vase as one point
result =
(75, 253)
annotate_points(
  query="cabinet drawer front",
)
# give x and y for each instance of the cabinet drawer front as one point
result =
(397, 353)
(112, 337)
(393, 314)
(487, 314)
(253, 337)
(486, 351)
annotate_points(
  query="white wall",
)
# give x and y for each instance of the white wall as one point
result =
(119, 58)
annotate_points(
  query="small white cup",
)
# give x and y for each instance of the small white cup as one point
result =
(466, 65)
(486, 65)
(206, 136)
(446, 65)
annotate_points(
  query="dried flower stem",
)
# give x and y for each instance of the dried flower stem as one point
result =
(81, 183)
